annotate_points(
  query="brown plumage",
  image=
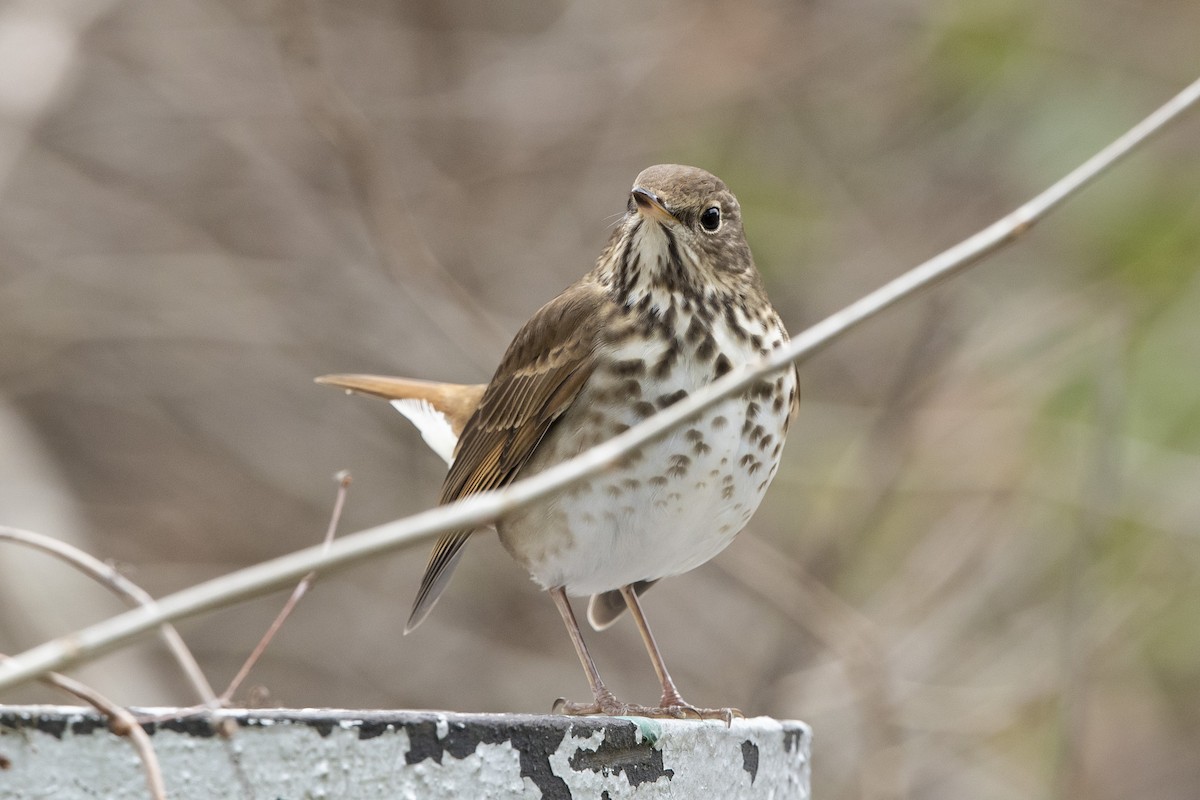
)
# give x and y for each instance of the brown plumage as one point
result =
(673, 303)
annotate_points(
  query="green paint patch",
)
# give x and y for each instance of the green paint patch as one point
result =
(648, 729)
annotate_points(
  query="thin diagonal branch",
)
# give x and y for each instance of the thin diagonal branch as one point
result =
(486, 507)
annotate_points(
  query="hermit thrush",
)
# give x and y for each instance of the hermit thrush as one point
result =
(673, 303)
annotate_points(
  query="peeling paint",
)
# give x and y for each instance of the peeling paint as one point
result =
(750, 759)
(360, 754)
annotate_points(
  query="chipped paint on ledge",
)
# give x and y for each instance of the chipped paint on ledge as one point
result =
(68, 752)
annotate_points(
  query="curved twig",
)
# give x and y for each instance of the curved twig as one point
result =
(121, 722)
(124, 588)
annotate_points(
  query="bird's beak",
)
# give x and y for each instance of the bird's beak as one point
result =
(650, 206)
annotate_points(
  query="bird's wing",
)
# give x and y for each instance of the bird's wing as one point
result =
(547, 363)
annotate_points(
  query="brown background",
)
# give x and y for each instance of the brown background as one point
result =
(976, 574)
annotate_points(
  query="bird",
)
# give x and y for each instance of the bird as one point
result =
(673, 303)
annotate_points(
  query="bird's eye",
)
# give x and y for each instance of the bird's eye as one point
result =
(710, 220)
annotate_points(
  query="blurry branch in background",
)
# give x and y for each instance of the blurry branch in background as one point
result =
(483, 508)
(121, 586)
(1101, 485)
(431, 290)
(121, 722)
(783, 585)
(343, 479)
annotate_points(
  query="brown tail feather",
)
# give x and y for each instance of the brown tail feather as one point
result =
(457, 401)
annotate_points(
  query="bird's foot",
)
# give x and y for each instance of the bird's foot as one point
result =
(605, 704)
(688, 711)
(674, 707)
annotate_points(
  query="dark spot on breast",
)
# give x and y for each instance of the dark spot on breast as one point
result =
(777, 403)
(658, 481)
(695, 330)
(707, 348)
(746, 460)
(629, 368)
(719, 422)
(631, 484)
(643, 409)
(761, 390)
(630, 460)
(693, 435)
(722, 366)
(670, 399)
(663, 367)
(679, 464)
(668, 318)
(751, 410)
(732, 321)
(766, 442)
(630, 389)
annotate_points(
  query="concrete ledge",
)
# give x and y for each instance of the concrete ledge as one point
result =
(67, 752)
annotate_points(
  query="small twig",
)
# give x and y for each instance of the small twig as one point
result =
(120, 721)
(343, 479)
(486, 507)
(118, 584)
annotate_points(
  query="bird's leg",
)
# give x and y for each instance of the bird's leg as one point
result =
(672, 702)
(605, 702)
(670, 695)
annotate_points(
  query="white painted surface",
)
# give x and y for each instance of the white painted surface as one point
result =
(67, 753)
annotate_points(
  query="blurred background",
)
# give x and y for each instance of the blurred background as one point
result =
(978, 572)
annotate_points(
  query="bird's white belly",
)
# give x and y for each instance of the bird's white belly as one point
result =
(678, 504)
